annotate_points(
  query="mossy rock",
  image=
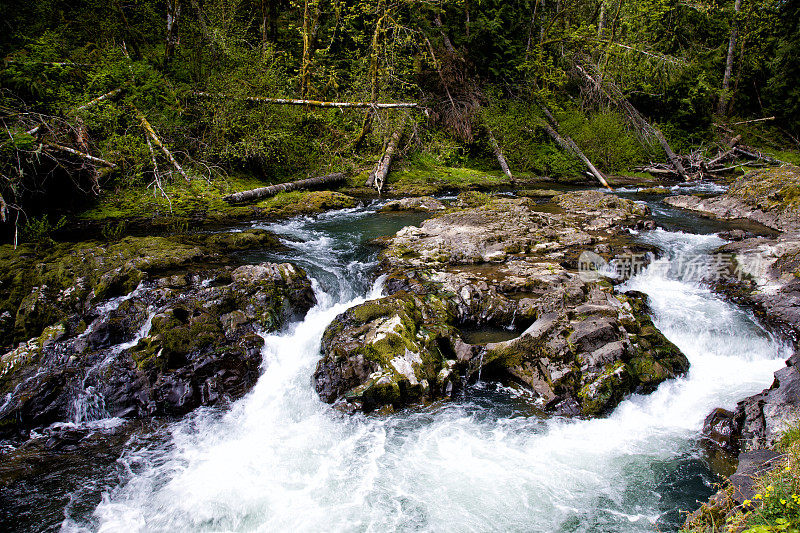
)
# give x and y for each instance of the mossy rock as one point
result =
(289, 204)
(385, 352)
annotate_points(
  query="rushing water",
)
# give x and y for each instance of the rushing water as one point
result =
(282, 460)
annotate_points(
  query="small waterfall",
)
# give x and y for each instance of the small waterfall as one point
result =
(89, 406)
(512, 325)
(480, 364)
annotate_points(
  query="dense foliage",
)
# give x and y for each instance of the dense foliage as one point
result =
(471, 65)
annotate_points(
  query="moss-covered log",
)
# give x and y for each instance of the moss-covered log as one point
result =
(272, 190)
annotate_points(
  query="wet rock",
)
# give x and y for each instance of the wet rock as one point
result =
(759, 420)
(392, 351)
(768, 197)
(163, 350)
(537, 193)
(42, 286)
(506, 264)
(765, 274)
(423, 203)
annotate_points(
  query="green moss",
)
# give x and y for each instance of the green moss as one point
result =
(199, 197)
(294, 203)
(424, 180)
(606, 391)
(39, 287)
(774, 188)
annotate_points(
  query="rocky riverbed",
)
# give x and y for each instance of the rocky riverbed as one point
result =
(507, 263)
(139, 328)
(769, 283)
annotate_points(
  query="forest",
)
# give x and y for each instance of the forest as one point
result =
(400, 265)
(141, 95)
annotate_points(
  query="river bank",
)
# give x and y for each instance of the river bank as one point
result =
(167, 454)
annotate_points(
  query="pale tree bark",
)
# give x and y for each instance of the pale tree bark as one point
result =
(172, 39)
(311, 103)
(601, 20)
(569, 145)
(615, 96)
(152, 133)
(377, 178)
(726, 78)
(272, 190)
(498, 153)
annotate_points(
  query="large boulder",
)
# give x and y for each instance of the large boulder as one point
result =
(388, 352)
(166, 348)
(508, 264)
(40, 285)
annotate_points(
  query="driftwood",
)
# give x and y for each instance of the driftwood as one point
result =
(311, 103)
(730, 156)
(752, 153)
(152, 133)
(377, 178)
(569, 145)
(498, 153)
(272, 190)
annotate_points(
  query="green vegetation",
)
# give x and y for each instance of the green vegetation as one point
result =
(90, 93)
(774, 507)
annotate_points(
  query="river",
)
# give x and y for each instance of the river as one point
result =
(279, 459)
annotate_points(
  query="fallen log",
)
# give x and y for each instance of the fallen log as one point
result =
(659, 171)
(312, 103)
(152, 133)
(272, 190)
(498, 153)
(377, 178)
(82, 155)
(616, 97)
(94, 101)
(755, 154)
(569, 145)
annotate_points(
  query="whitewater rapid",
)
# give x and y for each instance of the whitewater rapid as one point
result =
(281, 460)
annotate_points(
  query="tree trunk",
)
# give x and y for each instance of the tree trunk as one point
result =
(377, 178)
(82, 155)
(601, 20)
(633, 115)
(272, 190)
(265, 12)
(569, 145)
(152, 133)
(726, 78)
(312, 103)
(128, 33)
(498, 153)
(309, 29)
(172, 38)
(94, 101)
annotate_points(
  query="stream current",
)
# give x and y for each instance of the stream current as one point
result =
(280, 459)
